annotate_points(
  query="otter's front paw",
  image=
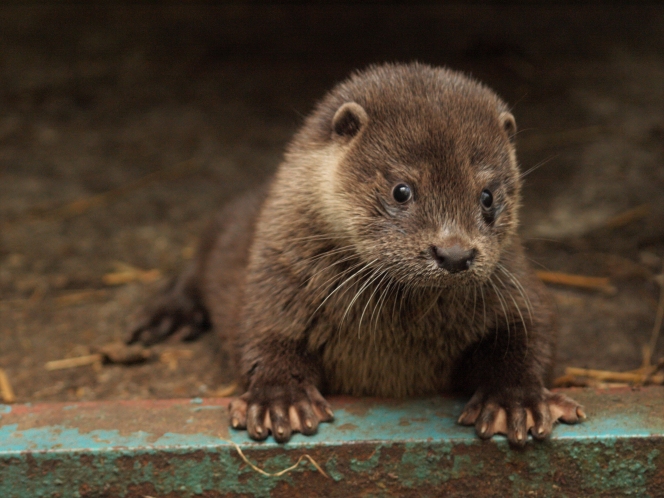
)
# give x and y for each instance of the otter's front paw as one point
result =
(280, 410)
(516, 415)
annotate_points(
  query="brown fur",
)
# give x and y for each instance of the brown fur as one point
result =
(325, 283)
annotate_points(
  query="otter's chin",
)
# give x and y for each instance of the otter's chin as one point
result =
(440, 280)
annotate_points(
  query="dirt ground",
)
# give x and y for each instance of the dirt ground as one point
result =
(123, 128)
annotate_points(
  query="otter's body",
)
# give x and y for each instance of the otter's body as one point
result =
(382, 260)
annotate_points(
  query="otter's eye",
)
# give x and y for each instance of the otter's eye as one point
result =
(486, 199)
(402, 193)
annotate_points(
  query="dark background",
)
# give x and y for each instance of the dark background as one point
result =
(122, 128)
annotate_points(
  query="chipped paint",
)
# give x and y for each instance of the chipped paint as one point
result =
(374, 447)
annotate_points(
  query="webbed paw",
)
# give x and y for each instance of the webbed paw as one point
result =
(517, 415)
(280, 410)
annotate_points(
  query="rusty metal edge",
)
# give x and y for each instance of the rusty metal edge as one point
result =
(375, 447)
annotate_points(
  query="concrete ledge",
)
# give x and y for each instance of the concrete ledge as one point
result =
(406, 448)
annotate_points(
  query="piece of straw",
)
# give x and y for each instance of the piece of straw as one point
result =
(6, 390)
(78, 361)
(657, 327)
(609, 376)
(282, 472)
(594, 283)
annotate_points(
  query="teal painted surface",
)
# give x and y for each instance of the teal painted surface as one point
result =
(149, 448)
(418, 420)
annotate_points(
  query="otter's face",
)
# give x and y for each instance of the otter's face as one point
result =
(430, 192)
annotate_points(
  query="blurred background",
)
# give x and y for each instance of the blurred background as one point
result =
(123, 128)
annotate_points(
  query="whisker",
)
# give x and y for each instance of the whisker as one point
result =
(503, 305)
(406, 297)
(335, 276)
(370, 279)
(384, 274)
(518, 309)
(331, 252)
(483, 305)
(343, 284)
(472, 319)
(337, 262)
(322, 237)
(537, 166)
(381, 302)
(520, 288)
(431, 306)
(394, 303)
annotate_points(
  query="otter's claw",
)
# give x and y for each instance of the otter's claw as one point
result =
(515, 417)
(280, 411)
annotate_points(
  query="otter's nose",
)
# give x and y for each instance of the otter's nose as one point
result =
(454, 258)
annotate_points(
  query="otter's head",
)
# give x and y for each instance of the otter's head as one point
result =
(415, 167)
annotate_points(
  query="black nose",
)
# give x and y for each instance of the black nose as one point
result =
(453, 259)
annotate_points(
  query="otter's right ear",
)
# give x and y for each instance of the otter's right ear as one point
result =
(508, 123)
(349, 119)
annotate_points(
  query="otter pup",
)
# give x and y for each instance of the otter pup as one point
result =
(381, 260)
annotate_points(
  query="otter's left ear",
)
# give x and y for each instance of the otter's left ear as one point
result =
(349, 119)
(508, 123)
